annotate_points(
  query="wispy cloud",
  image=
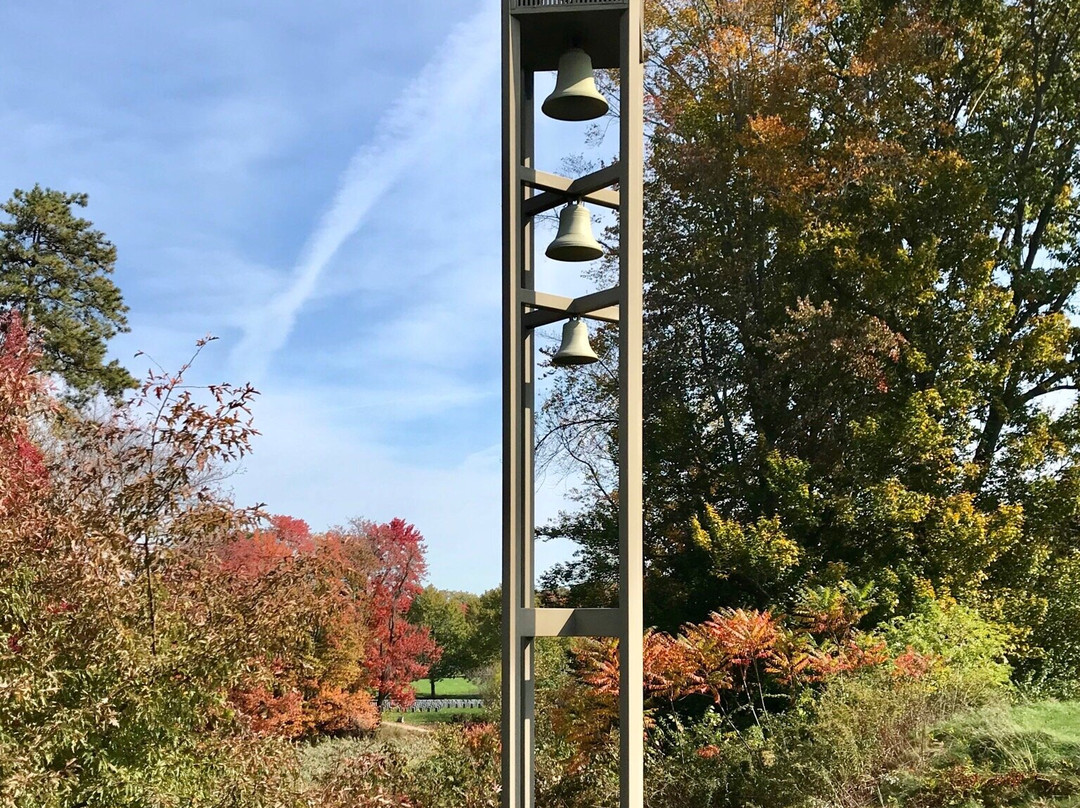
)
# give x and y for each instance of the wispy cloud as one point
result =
(448, 85)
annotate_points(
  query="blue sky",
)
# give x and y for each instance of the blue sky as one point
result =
(317, 184)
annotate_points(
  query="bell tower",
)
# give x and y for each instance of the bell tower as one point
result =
(574, 37)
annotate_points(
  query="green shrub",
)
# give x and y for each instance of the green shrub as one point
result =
(838, 743)
(364, 776)
(856, 732)
(970, 650)
(564, 779)
(463, 771)
(1053, 664)
(706, 763)
(833, 748)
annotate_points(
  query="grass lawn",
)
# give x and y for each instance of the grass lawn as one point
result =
(447, 688)
(1027, 756)
(1058, 719)
(440, 717)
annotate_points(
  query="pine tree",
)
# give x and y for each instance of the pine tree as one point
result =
(54, 270)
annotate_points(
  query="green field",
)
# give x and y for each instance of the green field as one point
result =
(1024, 755)
(447, 688)
(1060, 720)
(439, 717)
(457, 688)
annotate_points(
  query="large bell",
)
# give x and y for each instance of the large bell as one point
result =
(575, 348)
(575, 97)
(574, 241)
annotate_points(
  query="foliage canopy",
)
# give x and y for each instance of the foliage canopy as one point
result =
(862, 255)
(157, 643)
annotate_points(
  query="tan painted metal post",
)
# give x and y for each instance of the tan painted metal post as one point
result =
(514, 674)
(528, 400)
(631, 564)
(518, 387)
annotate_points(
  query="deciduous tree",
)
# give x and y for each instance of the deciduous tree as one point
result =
(312, 681)
(120, 638)
(399, 651)
(444, 615)
(485, 630)
(862, 258)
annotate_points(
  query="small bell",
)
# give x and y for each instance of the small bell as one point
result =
(574, 241)
(575, 97)
(575, 348)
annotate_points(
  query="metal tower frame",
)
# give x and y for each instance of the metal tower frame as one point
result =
(534, 34)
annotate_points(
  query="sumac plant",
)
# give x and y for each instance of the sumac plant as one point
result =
(744, 664)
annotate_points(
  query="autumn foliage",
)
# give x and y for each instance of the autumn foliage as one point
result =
(156, 641)
(318, 684)
(745, 663)
(350, 588)
(118, 637)
(22, 468)
(398, 650)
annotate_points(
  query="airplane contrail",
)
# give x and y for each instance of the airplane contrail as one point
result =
(448, 85)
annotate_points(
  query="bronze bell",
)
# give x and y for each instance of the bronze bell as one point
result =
(575, 240)
(575, 348)
(575, 97)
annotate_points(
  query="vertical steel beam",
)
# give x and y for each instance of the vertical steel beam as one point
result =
(528, 401)
(518, 402)
(513, 675)
(631, 564)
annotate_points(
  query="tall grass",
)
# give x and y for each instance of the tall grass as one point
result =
(1000, 755)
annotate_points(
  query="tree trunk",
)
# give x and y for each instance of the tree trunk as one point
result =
(996, 418)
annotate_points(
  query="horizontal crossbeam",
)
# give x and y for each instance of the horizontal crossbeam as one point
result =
(556, 190)
(569, 622)
(527, 6)
(603, 306)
